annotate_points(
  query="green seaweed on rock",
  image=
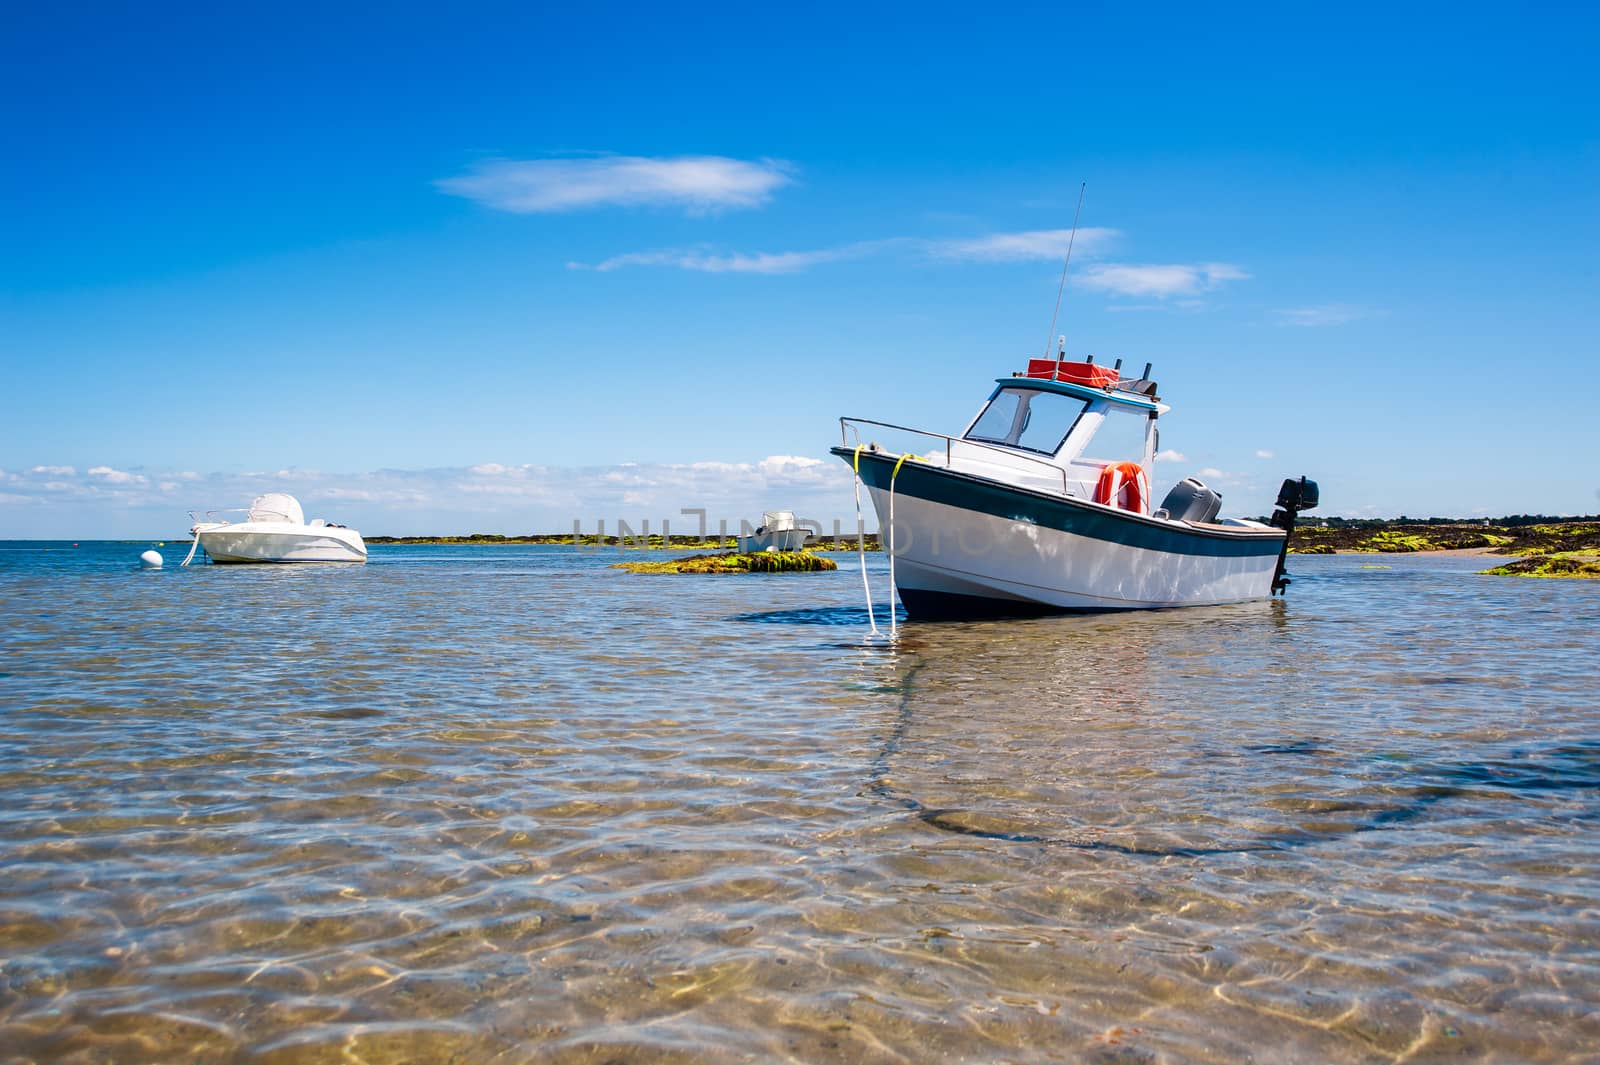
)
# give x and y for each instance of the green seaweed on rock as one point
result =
(733, 562)
(1549, 566)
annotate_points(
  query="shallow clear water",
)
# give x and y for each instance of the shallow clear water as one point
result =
(505, 803)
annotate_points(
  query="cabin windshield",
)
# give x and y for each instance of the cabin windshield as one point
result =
(1120, 436)
(1027, 418)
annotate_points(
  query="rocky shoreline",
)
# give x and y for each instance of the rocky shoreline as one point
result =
(1568, 549)
(1543, 538)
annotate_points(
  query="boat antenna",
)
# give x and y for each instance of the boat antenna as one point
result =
(1063, 286)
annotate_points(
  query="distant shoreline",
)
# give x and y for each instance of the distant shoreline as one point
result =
(651, 542)
(1518, 536)
(1537, 549)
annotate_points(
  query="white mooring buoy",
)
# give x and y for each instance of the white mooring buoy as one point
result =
(152, 559)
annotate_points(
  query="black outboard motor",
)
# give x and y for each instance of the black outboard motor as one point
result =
(1293, 497)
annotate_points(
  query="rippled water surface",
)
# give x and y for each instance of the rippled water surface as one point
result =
(505, 803)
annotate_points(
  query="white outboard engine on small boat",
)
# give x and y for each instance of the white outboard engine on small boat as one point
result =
(1191, 500)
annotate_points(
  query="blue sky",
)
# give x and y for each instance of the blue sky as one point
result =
(501, 268)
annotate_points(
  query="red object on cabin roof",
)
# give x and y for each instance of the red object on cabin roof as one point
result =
(1079, 373)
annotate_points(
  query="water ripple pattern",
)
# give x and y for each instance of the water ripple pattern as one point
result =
(508, 804)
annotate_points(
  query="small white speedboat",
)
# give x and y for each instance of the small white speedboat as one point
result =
(275, 530)
(1043, 504)
(779, 531)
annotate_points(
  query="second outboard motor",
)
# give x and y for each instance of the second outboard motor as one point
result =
(1293, 497)
(1190, 500)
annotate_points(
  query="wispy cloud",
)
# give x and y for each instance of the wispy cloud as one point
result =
(1161, 281)
(760, 262)
(1023, 246)
(1326, 314)
(111, 476)
(1179, 285)
(1028, 245)
(699, 183)
(1263, 454)
(1169, 455)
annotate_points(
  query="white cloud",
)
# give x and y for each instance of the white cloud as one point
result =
(1159, 280)
(1048, 244)
(1169, 455)
(514, 489)
(55, 471)
(1263, 454)
(1029, 245)
(114, 476)
(369, 495)
(793, 469)
(761, 262)
(1211, 471)
(489, 496)
(698, 183)
(1326, 314)
(1179, 282)
(781, 462)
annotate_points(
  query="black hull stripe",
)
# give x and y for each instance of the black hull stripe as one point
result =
(953, 606)
(935, 484)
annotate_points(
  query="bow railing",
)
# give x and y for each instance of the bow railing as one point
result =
(848, 426)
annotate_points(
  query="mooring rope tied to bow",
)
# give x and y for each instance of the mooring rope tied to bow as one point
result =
(893, 592)
(861, 545)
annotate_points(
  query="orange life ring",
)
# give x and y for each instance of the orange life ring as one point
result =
(1124, 485)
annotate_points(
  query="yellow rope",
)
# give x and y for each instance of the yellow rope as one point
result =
(892, 593)
(861, 545)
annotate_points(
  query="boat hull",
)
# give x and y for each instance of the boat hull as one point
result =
(250, 542)
(970, 546)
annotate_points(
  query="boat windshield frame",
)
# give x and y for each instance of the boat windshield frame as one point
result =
(1020, 418)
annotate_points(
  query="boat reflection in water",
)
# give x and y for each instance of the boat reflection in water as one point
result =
(1087, 731)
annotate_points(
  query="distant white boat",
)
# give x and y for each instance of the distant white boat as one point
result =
(778, 532)
(274, 530)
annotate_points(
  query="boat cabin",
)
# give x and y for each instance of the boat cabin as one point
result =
(1061, 425)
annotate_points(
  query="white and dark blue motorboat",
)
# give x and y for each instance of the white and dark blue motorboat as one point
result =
(1043, 504)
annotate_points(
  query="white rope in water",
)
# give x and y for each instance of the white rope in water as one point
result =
(893, 592)
(192, 549)
(894, 614)
(861, 547)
